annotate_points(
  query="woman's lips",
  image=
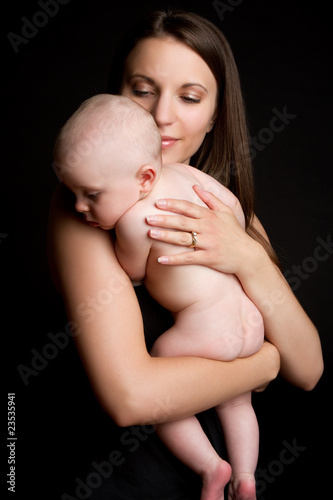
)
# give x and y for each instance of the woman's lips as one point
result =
(167, 142)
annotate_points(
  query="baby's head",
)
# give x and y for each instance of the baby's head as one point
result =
(109, 154)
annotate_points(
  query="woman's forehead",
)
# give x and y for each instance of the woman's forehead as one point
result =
(166, 58)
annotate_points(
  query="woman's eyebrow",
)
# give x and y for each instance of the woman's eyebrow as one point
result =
(194, 84)
(144, 77)
(152, 82)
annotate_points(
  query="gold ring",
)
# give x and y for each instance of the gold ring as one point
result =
(194, 239)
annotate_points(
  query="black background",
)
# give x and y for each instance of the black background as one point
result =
(283, 50)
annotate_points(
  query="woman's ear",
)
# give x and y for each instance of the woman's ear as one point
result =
(212, 122)
(146, 177)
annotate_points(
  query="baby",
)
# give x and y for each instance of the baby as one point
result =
(109, 155)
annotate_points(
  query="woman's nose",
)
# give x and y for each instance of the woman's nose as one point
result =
(163, 111)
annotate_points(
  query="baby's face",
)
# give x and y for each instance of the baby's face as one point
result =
(103, 194)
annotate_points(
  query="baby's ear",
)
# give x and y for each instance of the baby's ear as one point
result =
(146, 176)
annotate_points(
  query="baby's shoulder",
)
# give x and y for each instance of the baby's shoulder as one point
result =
(133, 223)
(180, 172)
(179, 169)
(207, 182)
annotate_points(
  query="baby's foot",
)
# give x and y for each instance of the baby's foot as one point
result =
(242, 487)
(214, 479)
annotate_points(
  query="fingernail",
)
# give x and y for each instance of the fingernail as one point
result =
(154, 233)
(151, 218)
(163, 260)
(161, 203)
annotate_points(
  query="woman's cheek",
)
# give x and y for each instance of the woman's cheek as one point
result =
(198, 122)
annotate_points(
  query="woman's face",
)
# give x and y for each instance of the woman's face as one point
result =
(176, 86)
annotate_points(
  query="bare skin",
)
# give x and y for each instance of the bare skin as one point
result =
(132, 386)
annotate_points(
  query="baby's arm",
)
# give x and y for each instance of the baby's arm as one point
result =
(132, 245)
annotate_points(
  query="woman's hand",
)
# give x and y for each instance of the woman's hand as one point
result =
(271, 356)
(222, 243)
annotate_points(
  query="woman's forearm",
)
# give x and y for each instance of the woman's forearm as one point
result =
(173, 388)
(135, 388)
(287, 326)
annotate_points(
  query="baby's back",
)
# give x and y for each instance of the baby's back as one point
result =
(200, 298)
(177, 287)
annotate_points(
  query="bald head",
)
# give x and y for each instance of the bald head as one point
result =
(110, 123)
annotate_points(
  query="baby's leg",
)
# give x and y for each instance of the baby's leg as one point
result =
(185, 438)
(187, 441)
(198, 332)
(241, 435)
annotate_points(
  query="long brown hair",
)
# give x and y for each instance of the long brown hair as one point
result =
(224, 153)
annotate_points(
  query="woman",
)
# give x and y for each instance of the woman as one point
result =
(180, 68)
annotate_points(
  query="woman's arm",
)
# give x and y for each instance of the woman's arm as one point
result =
(225, 246)
(132, 386)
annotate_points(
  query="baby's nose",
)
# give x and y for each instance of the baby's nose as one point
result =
(81, 206)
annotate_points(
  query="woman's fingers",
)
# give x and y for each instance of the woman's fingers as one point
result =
(175, 237)
(175, 222)
(209, 199)
(218, 232)
(181, 207)
(192, 209)
(190, 216)
(186, 258)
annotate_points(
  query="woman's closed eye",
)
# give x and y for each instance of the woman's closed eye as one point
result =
(141, 93)
(191, 99)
